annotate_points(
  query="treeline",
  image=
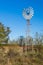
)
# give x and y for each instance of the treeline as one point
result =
(4, 37)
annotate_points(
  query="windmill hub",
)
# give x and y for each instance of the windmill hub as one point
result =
(27, 12)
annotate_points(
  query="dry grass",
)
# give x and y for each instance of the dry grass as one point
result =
(13, 55)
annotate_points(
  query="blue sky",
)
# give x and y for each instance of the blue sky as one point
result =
(11, 16)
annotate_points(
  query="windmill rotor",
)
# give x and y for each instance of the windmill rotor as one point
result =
(28, 13)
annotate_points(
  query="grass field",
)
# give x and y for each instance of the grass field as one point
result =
(11, 54)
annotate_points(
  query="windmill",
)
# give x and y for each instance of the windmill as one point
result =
(27, 14)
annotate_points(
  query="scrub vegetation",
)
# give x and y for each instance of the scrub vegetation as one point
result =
(21, 51)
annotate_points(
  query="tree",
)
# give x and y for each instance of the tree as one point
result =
(38, 42)
(21, 40)
(4, 32)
